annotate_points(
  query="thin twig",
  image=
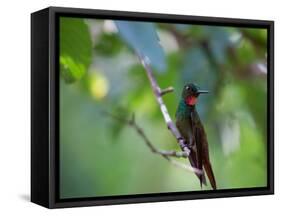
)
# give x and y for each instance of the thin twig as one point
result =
(157, 92)
(165, 154)
(166, 90)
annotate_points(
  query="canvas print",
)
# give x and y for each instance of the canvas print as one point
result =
(152, 107)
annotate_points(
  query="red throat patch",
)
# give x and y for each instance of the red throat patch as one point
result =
(191, 100)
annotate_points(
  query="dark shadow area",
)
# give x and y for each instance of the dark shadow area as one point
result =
(25, 197)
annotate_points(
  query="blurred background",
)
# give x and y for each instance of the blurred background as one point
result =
(100, 72)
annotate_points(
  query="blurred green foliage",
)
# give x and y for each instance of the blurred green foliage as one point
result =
(100, 156)
(75, 48)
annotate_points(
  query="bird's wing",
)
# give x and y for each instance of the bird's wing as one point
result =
(193, 162)
(183, 127)
(199, 149)
(203, 153)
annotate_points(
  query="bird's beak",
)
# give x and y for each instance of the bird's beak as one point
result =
(202, 91)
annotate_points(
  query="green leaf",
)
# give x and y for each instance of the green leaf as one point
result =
(75, 48)
(246, 52)
(142, 37)
(108, 45)
(258, 36)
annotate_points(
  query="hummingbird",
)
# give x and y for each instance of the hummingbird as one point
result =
(192, 130)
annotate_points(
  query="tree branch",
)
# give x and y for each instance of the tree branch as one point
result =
(158, 94)
(165, 154)
(166, 90)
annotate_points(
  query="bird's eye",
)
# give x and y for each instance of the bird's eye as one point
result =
(187, 87)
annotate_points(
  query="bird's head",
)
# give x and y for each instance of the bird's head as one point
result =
(190, 93)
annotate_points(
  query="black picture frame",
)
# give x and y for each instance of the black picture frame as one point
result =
(45, 112)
